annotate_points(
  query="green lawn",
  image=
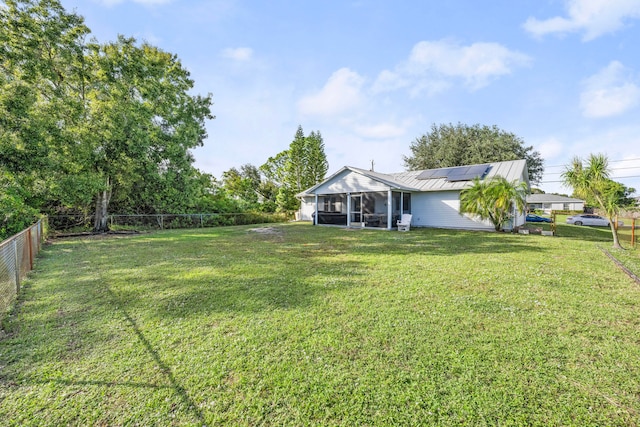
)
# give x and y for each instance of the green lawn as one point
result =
(325, 326)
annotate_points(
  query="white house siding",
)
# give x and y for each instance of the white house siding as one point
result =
(350, 182)
(307, 207)
(441, 209)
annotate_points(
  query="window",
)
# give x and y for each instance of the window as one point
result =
(406, 202)
(332, 204)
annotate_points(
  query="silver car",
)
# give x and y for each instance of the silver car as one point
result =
(590, 219)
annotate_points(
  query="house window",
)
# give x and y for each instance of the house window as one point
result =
(332, 204)
(406, 202)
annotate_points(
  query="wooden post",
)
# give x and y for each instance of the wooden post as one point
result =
(16, 265)
(30, 249)
(633, 232)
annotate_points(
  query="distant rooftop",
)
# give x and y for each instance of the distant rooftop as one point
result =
(551, 198)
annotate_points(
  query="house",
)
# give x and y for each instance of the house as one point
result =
(362, 198)
(553, 202)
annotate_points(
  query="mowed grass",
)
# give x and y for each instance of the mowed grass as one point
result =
(313, 325)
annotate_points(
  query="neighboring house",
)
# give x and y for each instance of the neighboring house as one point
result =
(553, 202)
(357, 197)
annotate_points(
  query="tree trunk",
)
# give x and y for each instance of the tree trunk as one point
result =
(100, 224)
(614, 231)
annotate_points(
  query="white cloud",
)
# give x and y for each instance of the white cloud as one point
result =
(341, 93)
(381, 130)
(609, 92)
(238, 54)
(592, 17)
(433, 66)
(550, 148)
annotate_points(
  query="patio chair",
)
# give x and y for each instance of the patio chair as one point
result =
(404, 223)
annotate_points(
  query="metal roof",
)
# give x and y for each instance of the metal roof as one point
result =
(511, 170)
(409, 181)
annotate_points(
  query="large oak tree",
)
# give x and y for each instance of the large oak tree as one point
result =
(458, 145)
(87, 125)
(142, 122)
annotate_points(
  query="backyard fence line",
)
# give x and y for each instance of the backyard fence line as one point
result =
(167, 221)
(17, 254)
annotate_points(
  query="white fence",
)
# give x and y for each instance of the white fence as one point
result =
(17, 254)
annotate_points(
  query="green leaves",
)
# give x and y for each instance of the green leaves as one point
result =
(496, 199)
(82, 122)
(590, 181)
(459, 145)
(294, 170)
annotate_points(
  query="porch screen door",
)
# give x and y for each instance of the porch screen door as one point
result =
(356, 208)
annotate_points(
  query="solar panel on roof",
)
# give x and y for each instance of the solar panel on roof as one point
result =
(456, 173)
(475, 171)
(432, 174)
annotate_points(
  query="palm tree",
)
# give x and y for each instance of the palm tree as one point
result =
(495, 199)
(591, 180)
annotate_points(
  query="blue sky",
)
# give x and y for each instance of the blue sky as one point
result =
(374, 75)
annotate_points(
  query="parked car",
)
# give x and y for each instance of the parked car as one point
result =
(537, 218)
(590, 219)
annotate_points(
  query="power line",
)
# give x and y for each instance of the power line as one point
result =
(612, 169)
(610, 161)
(615, 177)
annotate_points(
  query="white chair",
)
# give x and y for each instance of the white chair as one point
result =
(404, 223)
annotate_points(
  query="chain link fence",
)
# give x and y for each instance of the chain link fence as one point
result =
(166, 221)
(16, 260)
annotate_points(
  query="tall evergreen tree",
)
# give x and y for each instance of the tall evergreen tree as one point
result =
(296, 163)
(303, 165)
(317, 164)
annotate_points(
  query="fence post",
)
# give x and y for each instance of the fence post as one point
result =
(16, 265)
(201, 224)
(30, 249)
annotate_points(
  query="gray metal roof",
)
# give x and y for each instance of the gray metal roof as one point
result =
(551, 198)
(408, 181)
(511, 170)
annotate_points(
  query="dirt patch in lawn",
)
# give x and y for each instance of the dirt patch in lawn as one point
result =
(266, 230)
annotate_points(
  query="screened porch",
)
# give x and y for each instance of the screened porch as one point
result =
(363, 209)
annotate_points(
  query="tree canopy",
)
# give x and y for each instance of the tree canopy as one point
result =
(87, 125)
(449, 145)
(294, 170)
(590, 180)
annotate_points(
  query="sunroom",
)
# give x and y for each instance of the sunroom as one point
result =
(380, 209)
(356, 198)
